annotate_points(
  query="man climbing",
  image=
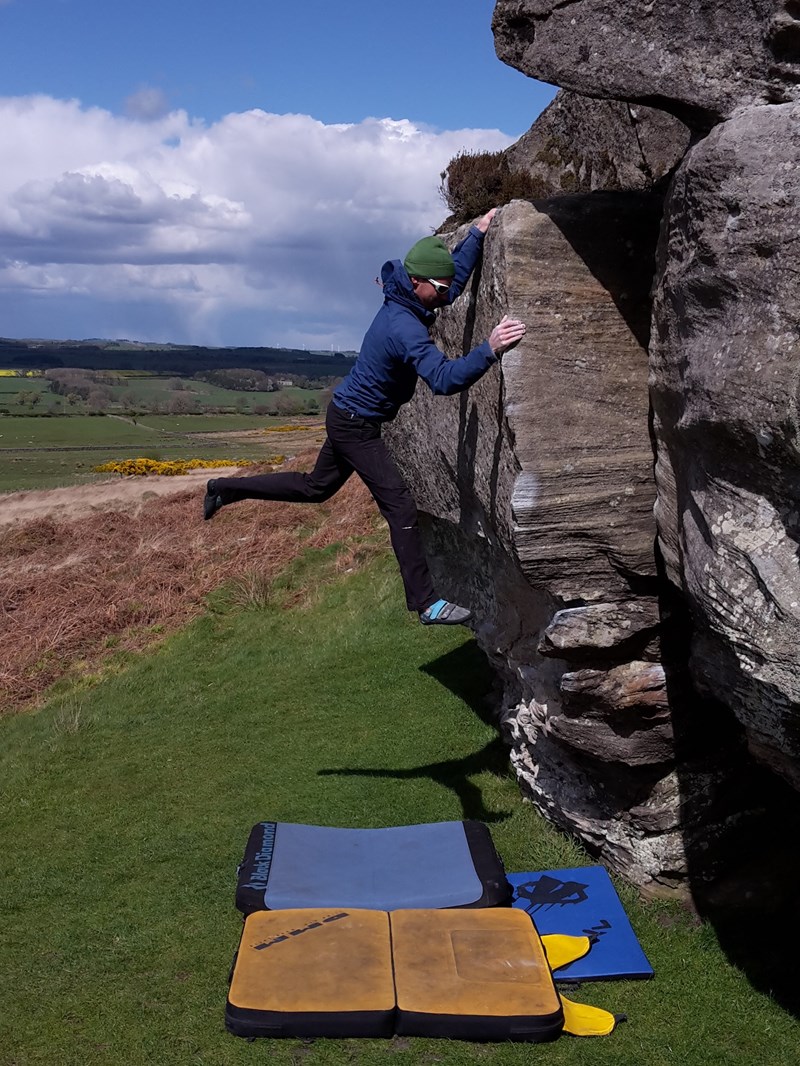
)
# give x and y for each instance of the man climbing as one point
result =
(396, 350)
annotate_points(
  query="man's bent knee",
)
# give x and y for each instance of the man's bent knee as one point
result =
(320, 493)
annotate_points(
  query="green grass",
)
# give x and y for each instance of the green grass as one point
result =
(126, 807)
(23, 395)
(79, 430)
(145, 390)
(15, 391)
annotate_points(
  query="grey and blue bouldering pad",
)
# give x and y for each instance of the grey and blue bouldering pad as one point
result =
(583, 902)
(439, 864)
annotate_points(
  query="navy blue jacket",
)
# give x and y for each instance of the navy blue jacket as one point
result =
(397, 348)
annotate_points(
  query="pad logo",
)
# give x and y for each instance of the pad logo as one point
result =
(279, 939)
(549, 891)
(262, 860)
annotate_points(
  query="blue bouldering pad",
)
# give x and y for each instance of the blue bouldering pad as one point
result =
(439, 864)
(583, 902)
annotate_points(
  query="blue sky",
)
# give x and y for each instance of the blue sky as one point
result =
(232, 173)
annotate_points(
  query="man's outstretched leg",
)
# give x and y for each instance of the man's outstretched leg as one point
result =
(329, 474)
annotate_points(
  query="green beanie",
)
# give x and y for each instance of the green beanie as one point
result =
(430, 258)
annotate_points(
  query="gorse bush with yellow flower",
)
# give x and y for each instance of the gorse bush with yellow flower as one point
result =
(143, 467)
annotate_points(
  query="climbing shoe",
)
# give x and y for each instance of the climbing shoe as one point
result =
(443, 613)
(212, 501)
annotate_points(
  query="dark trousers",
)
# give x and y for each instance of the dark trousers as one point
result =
(353, 444)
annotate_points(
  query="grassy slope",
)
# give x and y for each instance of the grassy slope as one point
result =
(124, 815)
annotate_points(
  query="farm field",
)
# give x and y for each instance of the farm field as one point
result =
(129, 392)
(143, 390)
(41, 453)
(24, 395)
(202, 424)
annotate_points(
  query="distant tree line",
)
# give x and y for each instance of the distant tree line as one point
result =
(245, 379)
(171, 359)
(91, 387)
(239, 379)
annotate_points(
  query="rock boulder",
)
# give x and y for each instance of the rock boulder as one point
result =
(536, 491)
(579, 144)
(698, 61)
(726, 392)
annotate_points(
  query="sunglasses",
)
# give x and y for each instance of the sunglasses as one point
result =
(440, 287)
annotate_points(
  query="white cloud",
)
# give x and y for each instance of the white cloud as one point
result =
(269, 227)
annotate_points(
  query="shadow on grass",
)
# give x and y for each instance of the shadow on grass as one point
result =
(753, 906)
(743, 871)
(465, 671)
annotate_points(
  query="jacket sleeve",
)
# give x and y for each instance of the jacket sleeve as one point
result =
(446, 376)
(465, 256)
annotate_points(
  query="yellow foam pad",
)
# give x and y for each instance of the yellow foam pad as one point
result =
(319, 960)
(488, 963)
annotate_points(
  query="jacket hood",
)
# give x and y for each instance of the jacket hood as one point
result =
(397, 287)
